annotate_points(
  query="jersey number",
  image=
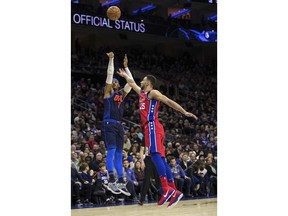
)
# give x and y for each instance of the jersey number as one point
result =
(142, 106)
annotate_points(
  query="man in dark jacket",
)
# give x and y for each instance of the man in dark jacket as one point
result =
(76, 186)
(212, 177)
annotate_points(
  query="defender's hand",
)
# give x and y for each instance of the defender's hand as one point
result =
(122, 73)
(125, 61)
(188, 114)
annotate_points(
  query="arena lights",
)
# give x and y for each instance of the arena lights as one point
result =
(213, 18)
(180, 13)
(108, 3)
(144, 9)
(205, 36)
(185, 33)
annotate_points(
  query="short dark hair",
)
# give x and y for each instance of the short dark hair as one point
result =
(101, 165)
(88, 158)
(172, 158)
(152, 79)
(83, 166)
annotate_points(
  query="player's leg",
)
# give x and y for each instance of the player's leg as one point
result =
(178, 194)
(161, 149)
(118, 163)
(160, 167)
(157, 150)
(110, 142)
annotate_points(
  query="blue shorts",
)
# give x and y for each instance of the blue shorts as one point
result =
(113, 135)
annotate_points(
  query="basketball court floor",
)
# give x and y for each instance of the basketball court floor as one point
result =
(195, 207)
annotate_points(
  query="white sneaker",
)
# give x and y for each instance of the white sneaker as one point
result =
(122, 188)
(113, 188)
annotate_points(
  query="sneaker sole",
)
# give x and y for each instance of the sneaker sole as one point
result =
(167, 198)
(175, 203)
(114, 192)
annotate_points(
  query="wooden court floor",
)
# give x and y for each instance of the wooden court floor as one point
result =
(195, 207)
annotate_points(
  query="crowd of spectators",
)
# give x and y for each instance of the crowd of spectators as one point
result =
(191, 146)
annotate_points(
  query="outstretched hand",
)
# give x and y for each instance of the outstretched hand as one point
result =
(121, 72)
(125, 61)
(188, 114)
(110, 54)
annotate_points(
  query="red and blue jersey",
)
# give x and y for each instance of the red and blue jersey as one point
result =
(152, 128)
(148, 108)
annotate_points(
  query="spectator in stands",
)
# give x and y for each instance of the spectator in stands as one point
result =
(139, 175)
(208, 148)
(131, 181)
(182, 181)
(128, 157)
(133, 149)
(87, 150)
(95, 150)
(89, 182)
(139, 133)
(201, 175)
(138, 157)
(73, 148)
(193, 158)
(81, 160)
(77, 185)
(102, 148)
(74, 160)
(91, 164)
(135, 138)
(91, 142)
(211, 176)
(91, 155)
(99, 159)
(178, 150)
(201, 158)
(184, 162)
(169, 149)
(103, 176)
(127, 143)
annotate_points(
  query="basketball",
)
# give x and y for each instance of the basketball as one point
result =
(113, 13)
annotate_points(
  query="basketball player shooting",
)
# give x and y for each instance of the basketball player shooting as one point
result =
(112, 127)
(149, 103)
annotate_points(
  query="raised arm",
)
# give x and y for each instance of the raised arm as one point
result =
(110, 71)
(129, 80)
(127, 87)
(154, 94)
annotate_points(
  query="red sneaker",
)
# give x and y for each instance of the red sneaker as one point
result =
(166, 196)
(175, 199)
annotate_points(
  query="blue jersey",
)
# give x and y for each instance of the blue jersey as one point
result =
(114, 106)
(104, 178)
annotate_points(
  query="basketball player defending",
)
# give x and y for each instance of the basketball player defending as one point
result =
(112, 127)
(149, 103)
